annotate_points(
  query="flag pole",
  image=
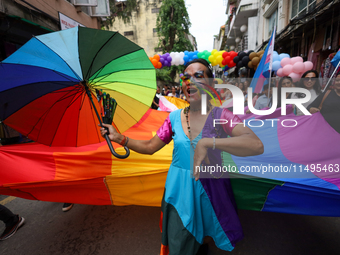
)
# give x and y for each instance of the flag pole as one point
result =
(271, 62)
(336, 68)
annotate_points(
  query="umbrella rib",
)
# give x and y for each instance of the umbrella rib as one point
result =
(81, 105)
(46, 112)
(59, 73)
(98, 72)
(91, 65)
(72, 102)
(60, 58)
(107, 75)
(40, 95)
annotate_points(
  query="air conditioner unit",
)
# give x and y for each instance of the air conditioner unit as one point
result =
(85, 2)
(101, 10)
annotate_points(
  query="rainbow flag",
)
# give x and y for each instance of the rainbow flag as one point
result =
(307, 156)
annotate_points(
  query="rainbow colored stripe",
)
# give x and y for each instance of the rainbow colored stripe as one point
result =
(35, 171)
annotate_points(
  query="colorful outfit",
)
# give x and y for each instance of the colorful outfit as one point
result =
(193, 209)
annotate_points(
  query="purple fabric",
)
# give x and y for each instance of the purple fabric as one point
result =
(219, 191)
(314, 142)
(165, 131)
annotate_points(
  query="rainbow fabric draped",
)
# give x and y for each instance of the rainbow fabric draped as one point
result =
(91, 175)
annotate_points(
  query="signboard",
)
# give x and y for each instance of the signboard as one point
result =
(66, 22)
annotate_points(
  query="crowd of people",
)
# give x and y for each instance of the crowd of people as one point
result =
(330, 97)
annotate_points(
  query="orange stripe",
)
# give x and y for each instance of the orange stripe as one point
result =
(164, 250)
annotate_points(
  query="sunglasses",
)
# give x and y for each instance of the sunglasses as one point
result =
(309, 79)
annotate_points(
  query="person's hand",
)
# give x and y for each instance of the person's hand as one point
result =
(114, 135)
(200, 155)
(314, 110)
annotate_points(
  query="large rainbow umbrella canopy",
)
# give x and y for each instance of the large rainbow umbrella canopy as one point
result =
(43, 85)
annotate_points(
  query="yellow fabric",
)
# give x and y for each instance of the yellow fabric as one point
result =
(179, 103)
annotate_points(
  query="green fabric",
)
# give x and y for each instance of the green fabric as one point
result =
(185, 242)
(137, 60)
(95, 54)
(249, 193)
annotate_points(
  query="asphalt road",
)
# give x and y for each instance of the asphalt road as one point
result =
(130, 230)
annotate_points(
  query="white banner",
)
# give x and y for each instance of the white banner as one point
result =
(66, 22)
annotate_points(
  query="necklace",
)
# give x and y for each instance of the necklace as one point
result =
(186, 112)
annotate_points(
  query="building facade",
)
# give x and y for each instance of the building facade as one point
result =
(20, 20)
(308, 28)
(142, 26)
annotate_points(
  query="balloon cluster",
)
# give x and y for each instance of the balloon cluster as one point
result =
(216, 58)
(177, 58)
(254, 59)
(294, 67)
(283, 64)
(165, 59)
(155, 60)
(228, 59)
(189, 56)
(204, 54)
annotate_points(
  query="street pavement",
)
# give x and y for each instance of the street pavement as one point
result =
(129, 230)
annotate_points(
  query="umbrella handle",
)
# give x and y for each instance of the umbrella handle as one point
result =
(113, 151)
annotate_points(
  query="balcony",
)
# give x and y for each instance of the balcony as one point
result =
(245, 10)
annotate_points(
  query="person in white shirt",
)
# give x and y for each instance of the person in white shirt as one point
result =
(173, 92)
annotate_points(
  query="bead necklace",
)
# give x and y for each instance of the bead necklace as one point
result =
(186, 112)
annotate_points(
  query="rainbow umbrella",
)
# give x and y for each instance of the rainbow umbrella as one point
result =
(48, 86)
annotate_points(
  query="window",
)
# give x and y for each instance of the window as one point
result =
(155, 30)
(85, 2)
(158, 49)
(155, 10)
(302, 6)
(127, 33)
(272, 22)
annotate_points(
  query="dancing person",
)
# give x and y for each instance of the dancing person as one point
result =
(328, 104)
(310, 81)
(12, 221)
(194, 209)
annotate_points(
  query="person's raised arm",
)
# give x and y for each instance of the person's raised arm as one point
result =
(140, 146)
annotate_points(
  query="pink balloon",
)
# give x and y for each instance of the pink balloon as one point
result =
(308, 66)
(287, 69)
(280, 72)
(296, 60)
(300, 59)
(296, 77)
(285, 61)
(298, 67)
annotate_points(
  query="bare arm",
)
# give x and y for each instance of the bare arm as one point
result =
(243, 143)
(140, 146)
